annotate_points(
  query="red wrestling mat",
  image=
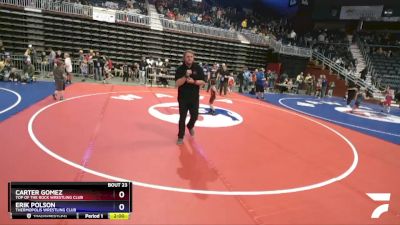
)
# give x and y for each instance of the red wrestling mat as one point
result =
(253, 163)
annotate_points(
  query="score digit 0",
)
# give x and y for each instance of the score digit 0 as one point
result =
(121, 194)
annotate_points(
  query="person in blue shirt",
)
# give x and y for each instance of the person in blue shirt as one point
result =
(260, 81)
(246, 79)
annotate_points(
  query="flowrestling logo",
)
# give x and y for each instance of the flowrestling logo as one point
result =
(169, 112)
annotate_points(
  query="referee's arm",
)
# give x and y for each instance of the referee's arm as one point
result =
(180, 78)
(200, 82)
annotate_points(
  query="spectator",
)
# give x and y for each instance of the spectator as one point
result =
(308, 81)
(260, 81)
(142, 70)
(68, 68)
(246, 78)
(244, 24)
(299, 81)
(324, 85)
(231, 83)
(331, 88)
(318, 87)
(240, 78)
(223, 75)
(98, 66)
(125, 69)
(118, 70)
(28, 72)
(59, 79)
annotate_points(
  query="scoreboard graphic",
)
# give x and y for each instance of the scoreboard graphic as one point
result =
(70, 200)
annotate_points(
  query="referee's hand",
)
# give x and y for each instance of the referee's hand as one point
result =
(190, 80)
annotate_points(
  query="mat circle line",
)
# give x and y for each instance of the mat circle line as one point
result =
(194, 191)
(19, 98)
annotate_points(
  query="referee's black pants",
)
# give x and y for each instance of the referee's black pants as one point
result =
(184, 106)
(350, 96)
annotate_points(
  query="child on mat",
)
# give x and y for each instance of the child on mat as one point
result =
(212, 78)
(388, 99)
(359, 98)
(59, 79)
(231, 83)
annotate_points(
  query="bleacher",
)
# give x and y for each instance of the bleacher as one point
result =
(384, 67)
(121, 41)
(388, 69)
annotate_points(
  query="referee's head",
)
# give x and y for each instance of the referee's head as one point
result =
(188, 57)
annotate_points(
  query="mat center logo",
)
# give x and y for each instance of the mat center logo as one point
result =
(169, 112)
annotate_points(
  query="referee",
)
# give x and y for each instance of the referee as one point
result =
(189, 77)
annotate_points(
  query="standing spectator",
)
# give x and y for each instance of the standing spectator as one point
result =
(135, 71)
(240, 78)
(90, 60)
(68, 68)
(223, 77)
(59, 79)
(331, 88)
(125, 71)
(58, 55)
(84, 69)
(299, 82)
(43, 63)
(244, 24)
(292, 37)
(318, 87)
(98, 71)
(107, 71)
(324, 85)
(246, 78)
(80, 60)
(231, 83)
(308, 81)
(28, 72)
(253, 81)
(260, 80)
(271, 81)
(142, 70)
(118, 70)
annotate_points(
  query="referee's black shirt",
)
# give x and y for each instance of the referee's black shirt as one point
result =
(189, 92)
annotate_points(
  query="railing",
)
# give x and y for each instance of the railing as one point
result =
(63, 7)
(43, 69)
(132, 18)
(83, 10)
(289, 50)
(197, 29)
(255, 38)
(69, 8)
(342, 71)
(17, 61)
(176, 25)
